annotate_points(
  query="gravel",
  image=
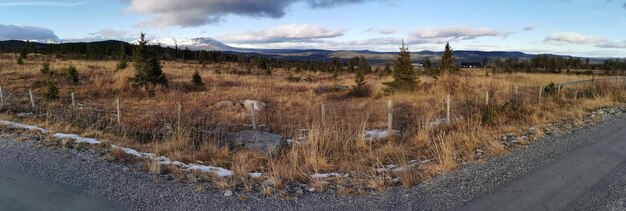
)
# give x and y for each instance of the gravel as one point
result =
(135, 189)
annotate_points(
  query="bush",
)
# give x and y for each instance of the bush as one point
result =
(71, 73)
(550, 89)
(196, 79)
(45, 69)
(20, 61)
(53, 92)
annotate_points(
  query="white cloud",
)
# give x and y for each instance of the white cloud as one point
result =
(15, 32)
(285, 33)
(572, 37)
(438, 35)
(582, 39)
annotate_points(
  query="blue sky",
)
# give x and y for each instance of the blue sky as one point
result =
(593, 28)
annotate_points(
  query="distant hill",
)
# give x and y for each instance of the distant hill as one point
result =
(210, 44)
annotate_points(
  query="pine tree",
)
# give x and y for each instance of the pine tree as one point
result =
(123, 60)
(404, 74)
(447, 59)
(20, 60)
(71, 73)
(196, 79)
(360, 89)
(45, 69)
(147, 66)
(52, 92)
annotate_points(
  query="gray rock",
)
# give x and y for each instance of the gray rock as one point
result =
(258, 105)
(223, 104)
(228, 193)
(268, 143)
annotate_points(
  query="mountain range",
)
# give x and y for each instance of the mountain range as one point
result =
(374, 57)
(377, 58)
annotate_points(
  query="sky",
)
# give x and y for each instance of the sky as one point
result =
(587, 28)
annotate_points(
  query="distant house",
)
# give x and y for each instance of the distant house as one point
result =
(471, 64)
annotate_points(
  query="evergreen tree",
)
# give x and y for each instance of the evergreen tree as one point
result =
(52, 92)
(485, 62)
(196, 79)
(71, 73)
(447, 59)
(360, 89)
(20, 60)
(404, 74)
(147, 66)
(45, 69)
(122, 59)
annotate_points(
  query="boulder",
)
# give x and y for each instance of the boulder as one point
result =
(268, 143)
(258, 105)
(223, 104)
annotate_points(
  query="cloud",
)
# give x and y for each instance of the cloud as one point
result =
(529, 28)
(383, 31)
(109, 33)
(42, 3)
(572, 37)
(582, 39)
(332, 3)
(15, 32)
(285, 33)
(195, 13)
(442, 35)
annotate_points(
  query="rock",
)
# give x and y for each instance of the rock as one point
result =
(228, 193)
(268, 143)
(396, 180)
(532, 131)
(223, 104)
(311, 189)
(299, 191)
(258, 105)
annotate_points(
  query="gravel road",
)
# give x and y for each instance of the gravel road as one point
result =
(582, 170)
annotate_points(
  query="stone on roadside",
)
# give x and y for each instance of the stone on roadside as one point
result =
(268, 143)
(228, 193)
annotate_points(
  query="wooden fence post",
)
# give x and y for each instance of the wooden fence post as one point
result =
(540, 93)
(516, 91)
(1, 97)
(576, 91)
(253, 116)
(73, 101)
(487, 98)
(390, 115)
(119, 114)
(448, 108)
(32, 100)
(323, 113)
(178, 112)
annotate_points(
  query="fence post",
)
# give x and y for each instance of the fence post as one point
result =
(73, 101)
(119, 114)
(516, 91)
(576, 91)
(540, 93)
(448, 108)
(179, 111)
(253, 116)
(323, 113)
(32, 100)
(487, 98)
(390, 115)
(1, 97)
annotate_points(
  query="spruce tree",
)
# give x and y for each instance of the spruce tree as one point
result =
(71, 73)
(123, 60)
(53, 92)
(196, 79)
(404, 74)
(147, 66)
(360, 89)
(447, 59)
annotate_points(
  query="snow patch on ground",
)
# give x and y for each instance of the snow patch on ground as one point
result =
(221, 172)
(374, 135)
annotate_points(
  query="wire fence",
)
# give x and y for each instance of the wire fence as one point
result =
(148, 123)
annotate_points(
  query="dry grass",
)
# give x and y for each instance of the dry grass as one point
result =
(150, 123)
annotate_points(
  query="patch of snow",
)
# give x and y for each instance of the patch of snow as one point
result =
(22, 126)
(221, 172)
(374, 135)
(325, 176)
(24, 114)
(256, 175)
(76, 138)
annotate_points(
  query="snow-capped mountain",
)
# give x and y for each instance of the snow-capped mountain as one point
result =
(202, 43)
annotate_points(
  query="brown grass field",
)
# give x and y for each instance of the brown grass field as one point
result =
(150, 123)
